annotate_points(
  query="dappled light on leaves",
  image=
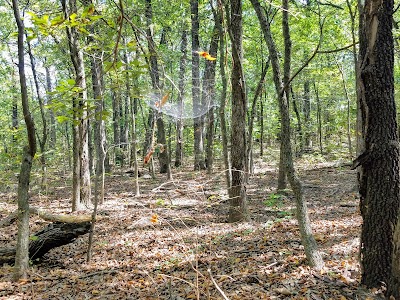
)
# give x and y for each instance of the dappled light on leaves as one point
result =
(262, 259)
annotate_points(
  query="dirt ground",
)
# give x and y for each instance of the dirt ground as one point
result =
(173, 242)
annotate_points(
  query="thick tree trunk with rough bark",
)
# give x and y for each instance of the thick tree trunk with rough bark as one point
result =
(238, 198)
(379, 177)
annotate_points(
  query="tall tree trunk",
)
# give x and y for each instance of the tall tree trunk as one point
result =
(81, 171)
(197, 121)
(261, 122)
(99, 125)
(257, 94)
(43, 138)
(353, 13)
(224, 82)
(116, 99)
(22, 254)
(155, 118)
(346, 93)
(306, 114)
(299, 128)
(133, 136)
(52, 119)
(310, 246)
(238, 198)
(379, 179)
(208, 93)
(319, 118)
(181, 87)
(14, 114)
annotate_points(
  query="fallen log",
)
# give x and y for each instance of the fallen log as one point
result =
(52, 236)
(48, 217)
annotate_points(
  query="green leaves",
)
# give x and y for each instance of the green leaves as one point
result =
(48, 26)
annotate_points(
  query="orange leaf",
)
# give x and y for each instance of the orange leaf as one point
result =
(154, 218)
(206, 55)
(209, 57)
(148, 156)
(164, 99)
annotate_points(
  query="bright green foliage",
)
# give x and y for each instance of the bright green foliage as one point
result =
(111, 38)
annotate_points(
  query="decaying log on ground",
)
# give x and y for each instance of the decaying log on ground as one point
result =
(49, 217)
(52, 236)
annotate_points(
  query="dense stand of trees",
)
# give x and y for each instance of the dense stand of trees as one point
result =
(102, 75)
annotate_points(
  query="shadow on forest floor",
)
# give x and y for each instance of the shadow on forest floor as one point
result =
(191, 250)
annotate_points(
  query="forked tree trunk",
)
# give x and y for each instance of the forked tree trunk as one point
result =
(22, 250)
(379, 179)
(310, 246)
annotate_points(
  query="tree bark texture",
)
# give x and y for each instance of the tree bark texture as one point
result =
(379, 179)
(238, 198)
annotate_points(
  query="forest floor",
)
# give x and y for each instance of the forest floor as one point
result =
(173, 242)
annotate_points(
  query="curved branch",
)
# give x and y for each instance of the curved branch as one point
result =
(308, 60)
